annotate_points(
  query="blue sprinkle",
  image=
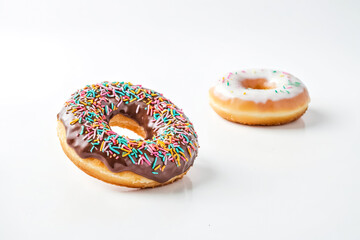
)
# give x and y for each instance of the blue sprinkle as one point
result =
(180, 149)
(112, 149)
(131, 159)
(154, 163)
(147, 157)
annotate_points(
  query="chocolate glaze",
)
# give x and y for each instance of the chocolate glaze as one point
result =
(82, 147)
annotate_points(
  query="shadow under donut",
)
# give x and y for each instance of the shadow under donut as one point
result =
(198, 175)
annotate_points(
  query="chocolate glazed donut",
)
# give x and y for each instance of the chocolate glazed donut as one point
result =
(170, 143)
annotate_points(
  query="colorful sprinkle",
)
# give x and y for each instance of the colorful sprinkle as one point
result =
(174, 132)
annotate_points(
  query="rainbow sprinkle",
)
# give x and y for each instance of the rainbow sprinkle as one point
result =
(174, 136)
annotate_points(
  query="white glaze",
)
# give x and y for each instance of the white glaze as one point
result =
(287, 86)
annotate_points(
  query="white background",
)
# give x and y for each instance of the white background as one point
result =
(297, 181)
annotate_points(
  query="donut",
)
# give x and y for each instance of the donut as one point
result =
(166, 151)
(259, 97)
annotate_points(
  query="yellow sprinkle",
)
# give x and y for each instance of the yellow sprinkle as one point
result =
(163, 167)
(132, 99)
(184, 156)
(124, 155)
(189, 151)
(125, 150)
(74, 121)
(157, 167)
(102, 145)
(281, 75)
(244, 93)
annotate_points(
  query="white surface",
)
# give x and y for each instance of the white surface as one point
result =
(298, 181)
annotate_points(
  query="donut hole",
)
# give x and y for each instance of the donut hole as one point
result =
(125, 126)
(258, 83)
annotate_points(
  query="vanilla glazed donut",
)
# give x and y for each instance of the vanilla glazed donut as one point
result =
(166, 152)
(259, 97)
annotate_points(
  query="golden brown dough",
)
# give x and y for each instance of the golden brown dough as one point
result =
(97, 169)
(259, 97)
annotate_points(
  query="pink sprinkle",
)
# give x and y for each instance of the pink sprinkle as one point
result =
(146, 161)
(120, 102)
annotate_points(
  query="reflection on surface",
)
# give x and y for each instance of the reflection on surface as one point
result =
(200, 174)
